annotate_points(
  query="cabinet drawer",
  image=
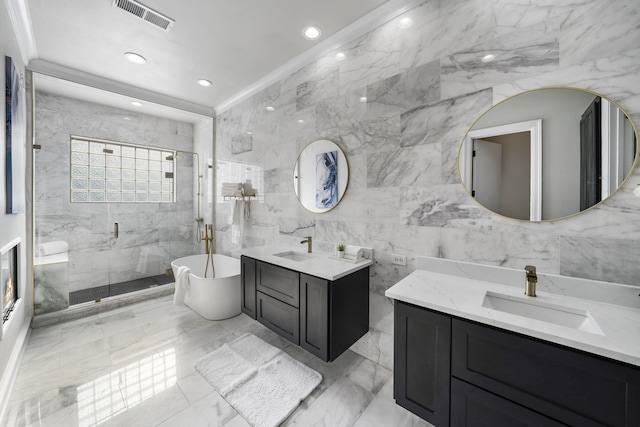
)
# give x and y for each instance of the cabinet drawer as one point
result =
(473, 407)
(569, 386)
(279, 283)
(279, 317)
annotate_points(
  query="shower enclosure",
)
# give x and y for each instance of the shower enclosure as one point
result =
(117, 197)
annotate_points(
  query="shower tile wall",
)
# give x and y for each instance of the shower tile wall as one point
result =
(150, 234)
(425, 86)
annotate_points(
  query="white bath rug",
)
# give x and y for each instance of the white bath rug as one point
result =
(263, 383)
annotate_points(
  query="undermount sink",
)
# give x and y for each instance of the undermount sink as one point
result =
(294, 256)
(538, 310)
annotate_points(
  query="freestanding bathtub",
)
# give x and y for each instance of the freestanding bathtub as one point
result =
(212, 298)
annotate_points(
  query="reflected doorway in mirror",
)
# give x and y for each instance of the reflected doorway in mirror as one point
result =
(560, 188)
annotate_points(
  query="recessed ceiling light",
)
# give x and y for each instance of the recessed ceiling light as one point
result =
(363, 99)
(204, 82)
(405, 22)
(135, 58)
(312, 32)
(270, 108)
(136, 104)
(340, 56)
(301, 122)
(488, 58)
(127, 118)
(249, 133)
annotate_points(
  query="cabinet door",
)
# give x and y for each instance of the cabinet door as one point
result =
(422, 350)
(314, 315)
(248, 275)
(473, 407)
(281, 318)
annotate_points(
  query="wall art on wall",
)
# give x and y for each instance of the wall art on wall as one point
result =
(327, 179)
(15, 139)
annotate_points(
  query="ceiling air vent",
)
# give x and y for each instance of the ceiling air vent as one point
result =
(143, 12)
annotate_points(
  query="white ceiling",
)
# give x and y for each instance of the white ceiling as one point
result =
(233, 43)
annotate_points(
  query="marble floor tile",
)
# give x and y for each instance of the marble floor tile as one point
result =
(134, 365)
(212, 410)
(195, 387)
(383, 412)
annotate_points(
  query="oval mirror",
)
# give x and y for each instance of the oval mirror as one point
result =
(547, 153)
(320, 176)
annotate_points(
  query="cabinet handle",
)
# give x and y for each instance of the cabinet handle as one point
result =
(115, 229)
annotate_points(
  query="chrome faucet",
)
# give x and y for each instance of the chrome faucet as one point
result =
(307, 240)
(532, 279)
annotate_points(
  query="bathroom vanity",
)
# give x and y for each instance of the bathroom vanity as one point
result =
(315, 302)
(462, 357)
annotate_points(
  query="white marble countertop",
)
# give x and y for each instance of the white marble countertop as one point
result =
(319, 264)
(463, 297)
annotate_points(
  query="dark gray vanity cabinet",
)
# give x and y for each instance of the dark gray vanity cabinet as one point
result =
(248, 276)
(324, 317)
(422, 360)
(503, 378)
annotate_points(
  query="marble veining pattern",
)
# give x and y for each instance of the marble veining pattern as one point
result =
(442, 121)
(527, 51)
(425, 87)
(312, 91)
(417, 86)
(136, 364)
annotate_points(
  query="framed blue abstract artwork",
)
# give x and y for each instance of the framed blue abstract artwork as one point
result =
(15, 139)
(327, 180)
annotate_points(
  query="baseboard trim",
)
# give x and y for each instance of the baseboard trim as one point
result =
(11, 371)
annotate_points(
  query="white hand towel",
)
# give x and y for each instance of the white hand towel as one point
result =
(52, 248)
(237, 227)
(232, 212)
(231, 189)
(353, 252)
(238, 212)
(182, 282)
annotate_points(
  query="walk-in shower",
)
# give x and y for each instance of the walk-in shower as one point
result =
(118, 195)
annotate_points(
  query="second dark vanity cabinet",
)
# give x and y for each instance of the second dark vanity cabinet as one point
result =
(496, 377)
(325, 317)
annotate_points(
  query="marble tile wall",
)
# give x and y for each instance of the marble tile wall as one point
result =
(150, 235)
(425, 86)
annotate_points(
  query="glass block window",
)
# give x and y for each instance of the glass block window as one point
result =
(114, 172)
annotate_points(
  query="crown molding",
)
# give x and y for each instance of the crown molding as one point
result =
(77, 76)
(21, 22)
(373, 19)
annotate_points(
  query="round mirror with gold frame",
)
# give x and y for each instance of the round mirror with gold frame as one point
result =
(548, 153)
(320, 176)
